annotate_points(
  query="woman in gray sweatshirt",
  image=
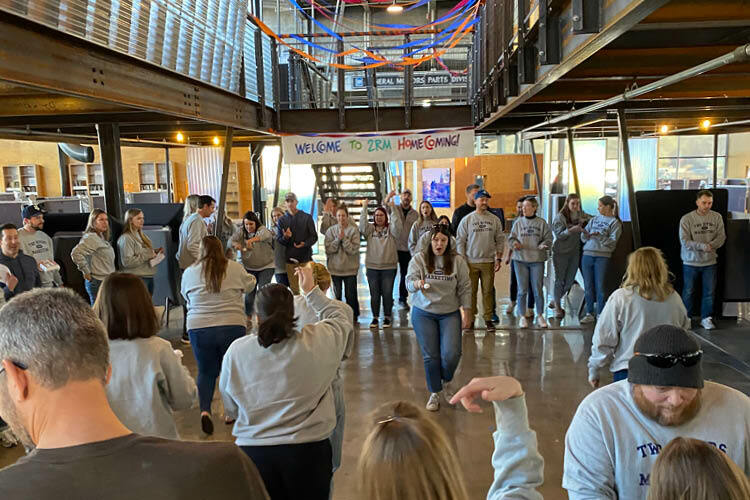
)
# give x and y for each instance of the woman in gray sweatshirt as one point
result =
(136, 249)
(439, 280)
(381, 259)
(94, 255)
(599, 241)
(254, 242)
(342, 254)
(530, 238)
(425, 220)
(148, 380)
(566, 250)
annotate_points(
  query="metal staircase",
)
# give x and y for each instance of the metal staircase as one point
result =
(351, 183)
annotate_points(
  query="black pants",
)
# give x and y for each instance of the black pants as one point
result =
(349, 284)
(403, 266)
(294, 471)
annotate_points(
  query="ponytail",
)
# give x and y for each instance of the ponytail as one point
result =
(608, 201)
(276, 322)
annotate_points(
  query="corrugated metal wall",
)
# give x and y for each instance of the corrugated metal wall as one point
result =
(204, 170)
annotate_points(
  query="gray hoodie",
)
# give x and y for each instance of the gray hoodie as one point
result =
(447, 292)
(261, 256)
(134, 255)
(342, 253)
(94, 255)
(566, 241)
(192, 231)
(480, 237)
(532, 233)
(604, 243)
(381, 243)
(39, 245)
(697, 232)
(417, 230)
(402, 244)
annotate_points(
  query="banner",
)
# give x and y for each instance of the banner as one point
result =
(378, 147)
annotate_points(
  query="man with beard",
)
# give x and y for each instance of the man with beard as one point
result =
(20, 273)
(36, 243)
(408, 217)
(54, 365)
(617, 433)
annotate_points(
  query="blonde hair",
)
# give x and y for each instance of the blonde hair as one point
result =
(190, 207)
(129, 229)
(408, 455)
(277, 209)
(648, 274)
(92, 220)
(690, 469)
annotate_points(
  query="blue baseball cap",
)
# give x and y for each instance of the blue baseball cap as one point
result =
(30, 211)
(482, 194)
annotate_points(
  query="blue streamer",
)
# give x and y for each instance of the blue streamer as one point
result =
(321, 26)
(311, 44)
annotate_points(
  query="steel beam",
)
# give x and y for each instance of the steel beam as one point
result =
(569, 136)
(276, 83)
(586, 15)
(255, 156)
(169, 175)
(278, 178)
(408, 88)
(62, 159)
(37, 56)
(221, 209)
(111, 159)
(716, 164)
(549, 35)
(341, 91)
(537, 175)
(260, 78)
(625, 149)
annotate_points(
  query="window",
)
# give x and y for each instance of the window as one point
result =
(686, 161)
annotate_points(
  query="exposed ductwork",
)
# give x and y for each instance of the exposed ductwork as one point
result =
(77, 151)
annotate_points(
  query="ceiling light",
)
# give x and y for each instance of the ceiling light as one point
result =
(706, 124)
(394, 8)
(664, 129)
(426, 104)
(216, 140)
(180, 137)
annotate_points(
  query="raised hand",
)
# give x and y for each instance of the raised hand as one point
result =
(497, 388)
(305, 276)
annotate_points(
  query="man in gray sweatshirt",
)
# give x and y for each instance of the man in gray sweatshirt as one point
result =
(408, 217)
(480, 240)
(701, 234)
(618, 430)
(36, 243)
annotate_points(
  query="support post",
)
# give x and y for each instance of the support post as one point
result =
(260, 79)
(64, 173)
(536, 171)
(169, 176)
(111, 158)
(221, 210)
(573, 166)
(276, 82)
(408, 88)
(257, 182)
(716, 164)
(625, 148)
(341, 87)
(278, 179)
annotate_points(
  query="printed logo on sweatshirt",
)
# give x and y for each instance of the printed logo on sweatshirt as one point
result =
(438, 275)
(652, 449)
(482, 226)
(704, 228)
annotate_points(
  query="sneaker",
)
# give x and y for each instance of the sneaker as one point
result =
(511, 307)
(207, 425)
(708, 323)
(529, 313)
(185, 338)
(433, 404)
(490, 326)
(386, 322)
(374, 325)
(541, 321)
(523, 322)
(552, 305)
(589, 318)
(559, 313)
(402, 304)
(495, 319)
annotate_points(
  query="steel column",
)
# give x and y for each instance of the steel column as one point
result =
(625, 148)
(169, 176)
(716, 164)
(536, 171)
(408, 87)
(278, 178)
(276, 79)
(573, 166)
(255, 157)
(341, 87)
(111, 159)
(221, 210)
(259, 76)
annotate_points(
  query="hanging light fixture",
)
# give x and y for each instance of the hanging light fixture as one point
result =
(180, 137)
(216, 140)
(706, 124)
(394, 8)
(664, 129)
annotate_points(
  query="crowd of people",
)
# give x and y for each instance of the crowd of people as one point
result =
(91, 387)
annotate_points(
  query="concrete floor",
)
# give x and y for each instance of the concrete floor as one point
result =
(387, 366)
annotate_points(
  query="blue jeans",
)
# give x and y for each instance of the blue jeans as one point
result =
(209, 346)
(439, 337)
(92, 288)
(514, 286)
(262, 278)
(282, 279)
(566, 267)
(619, 375)
(529, 275)
(350, 289)
(149, 281)
(707, 276)
(594, 272)
(381, 287)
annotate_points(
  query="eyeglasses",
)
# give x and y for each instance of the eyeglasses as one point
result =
(20, 366)
(670, 360)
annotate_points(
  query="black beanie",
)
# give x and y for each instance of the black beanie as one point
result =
(665, 339)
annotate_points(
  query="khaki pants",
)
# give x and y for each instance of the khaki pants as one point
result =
(293, 281)
(484, 271)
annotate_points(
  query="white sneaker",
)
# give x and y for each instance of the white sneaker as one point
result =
(708, 323)
(511, 307)
(433, 404)
(523, 322)
(589, 318)
(529, 313)
(541, 321)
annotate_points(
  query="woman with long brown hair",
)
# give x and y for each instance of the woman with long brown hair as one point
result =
(136, 249)
(646, 299)
(567, 227)
(94, 255)
(214, 289)
(148, 380)
(254, 241)
(425, 220)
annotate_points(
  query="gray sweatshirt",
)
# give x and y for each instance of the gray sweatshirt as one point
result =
(416, 232)
(604, 243)
(282, 394)
(424, 242)
(402, 244)
(566, 241)
(192, 231)
(625, 316)
(279, 253)
(207, 309)
(39, 245)
(261, 256)
(94, 255)
(611, 445)
(381, 243)
(532, 234)
(342, 254)
(148, 383)
(480, 237)
(134, 255)
(446, 293)
(697, 232)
